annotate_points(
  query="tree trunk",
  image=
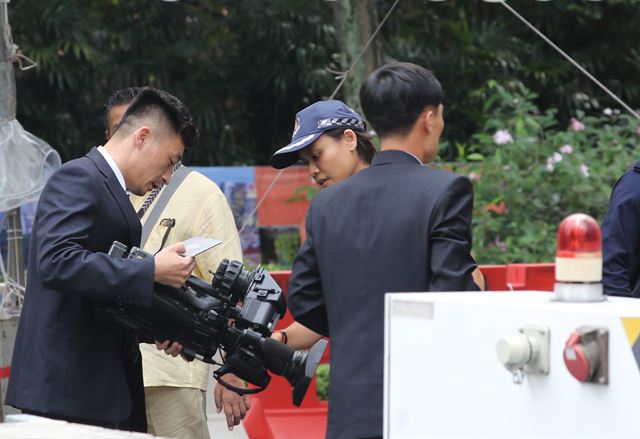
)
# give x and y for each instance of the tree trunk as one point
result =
(356, 20)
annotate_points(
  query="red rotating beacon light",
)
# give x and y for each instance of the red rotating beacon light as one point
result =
(579, 260)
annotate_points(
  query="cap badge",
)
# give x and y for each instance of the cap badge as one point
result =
(296, 126)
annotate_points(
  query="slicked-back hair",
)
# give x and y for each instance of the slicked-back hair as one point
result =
(394, 95)
(119, 97)
(151, 101)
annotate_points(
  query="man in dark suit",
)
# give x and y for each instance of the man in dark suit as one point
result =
(621, 237)
(66, 365)
(394, 227)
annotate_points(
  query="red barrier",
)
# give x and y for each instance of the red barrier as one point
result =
(531, 276)
(272, 414)
(495, 277)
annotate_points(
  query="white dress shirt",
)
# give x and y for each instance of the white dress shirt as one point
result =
(113, 166)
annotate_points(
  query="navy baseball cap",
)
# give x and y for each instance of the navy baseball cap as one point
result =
(310, 123)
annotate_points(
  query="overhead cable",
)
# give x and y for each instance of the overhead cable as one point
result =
(569, 58)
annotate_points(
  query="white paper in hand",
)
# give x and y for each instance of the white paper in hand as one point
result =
(196, 245)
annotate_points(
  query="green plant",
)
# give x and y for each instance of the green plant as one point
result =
(322, 381)
(287, 245)
(529, 173)
(304, 192)
(272, 266)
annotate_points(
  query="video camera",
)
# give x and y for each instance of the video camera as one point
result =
(236, 313)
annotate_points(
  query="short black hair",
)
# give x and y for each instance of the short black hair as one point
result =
(123, 96)
(149, 100)
(394, 95)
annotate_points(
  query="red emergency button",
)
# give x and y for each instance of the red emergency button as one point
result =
(577, 358)
(586, 354)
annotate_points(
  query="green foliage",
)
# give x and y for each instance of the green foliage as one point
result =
(304, 192)
(272, 266)
(466, 43)
(322, 381)
(243, 68)
(525, 187)
(287, 245)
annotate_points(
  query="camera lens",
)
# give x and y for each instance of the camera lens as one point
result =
(232, 281)
(298, 367)
(302, 375)
(242, 284)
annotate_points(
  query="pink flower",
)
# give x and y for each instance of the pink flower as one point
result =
(549, 165)
(584, 170)
(500, 244)
(566, 149)
(575, 124)
(556, 157)
(502, 137)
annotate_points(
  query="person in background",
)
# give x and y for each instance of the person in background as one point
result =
(621, 237)
(395, 226)
(334, 152)
(66, 365)
(175, 390)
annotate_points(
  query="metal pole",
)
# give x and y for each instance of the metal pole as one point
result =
(15, 253)
(15, 245)
(7, 79)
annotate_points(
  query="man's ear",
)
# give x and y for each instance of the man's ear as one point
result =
(142, 136)
(427, 117)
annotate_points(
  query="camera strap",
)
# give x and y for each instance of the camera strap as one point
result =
(161, 202)
(238, 390)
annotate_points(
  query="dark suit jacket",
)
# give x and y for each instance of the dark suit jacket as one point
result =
(394, 227)
(621, 237)
(64, 362)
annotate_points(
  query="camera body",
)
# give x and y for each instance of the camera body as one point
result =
(236, 313)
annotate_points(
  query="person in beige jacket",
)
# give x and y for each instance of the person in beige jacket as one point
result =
(175, 390)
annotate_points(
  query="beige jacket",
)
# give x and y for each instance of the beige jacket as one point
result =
(199, 209)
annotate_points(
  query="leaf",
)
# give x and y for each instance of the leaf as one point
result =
(475, 157)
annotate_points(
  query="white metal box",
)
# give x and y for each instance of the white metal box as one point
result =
(443, 378)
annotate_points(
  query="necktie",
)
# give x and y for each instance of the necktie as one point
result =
(154, 193)
(152, 196)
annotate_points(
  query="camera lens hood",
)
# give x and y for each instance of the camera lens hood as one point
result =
(302, 381)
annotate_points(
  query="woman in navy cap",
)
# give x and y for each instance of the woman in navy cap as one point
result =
(329, 137)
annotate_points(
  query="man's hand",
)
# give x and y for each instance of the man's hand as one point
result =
(172, 268)
(235, 406)
(173, 349)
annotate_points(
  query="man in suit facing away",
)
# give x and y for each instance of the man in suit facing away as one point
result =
(66, 365)
(394, 227)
